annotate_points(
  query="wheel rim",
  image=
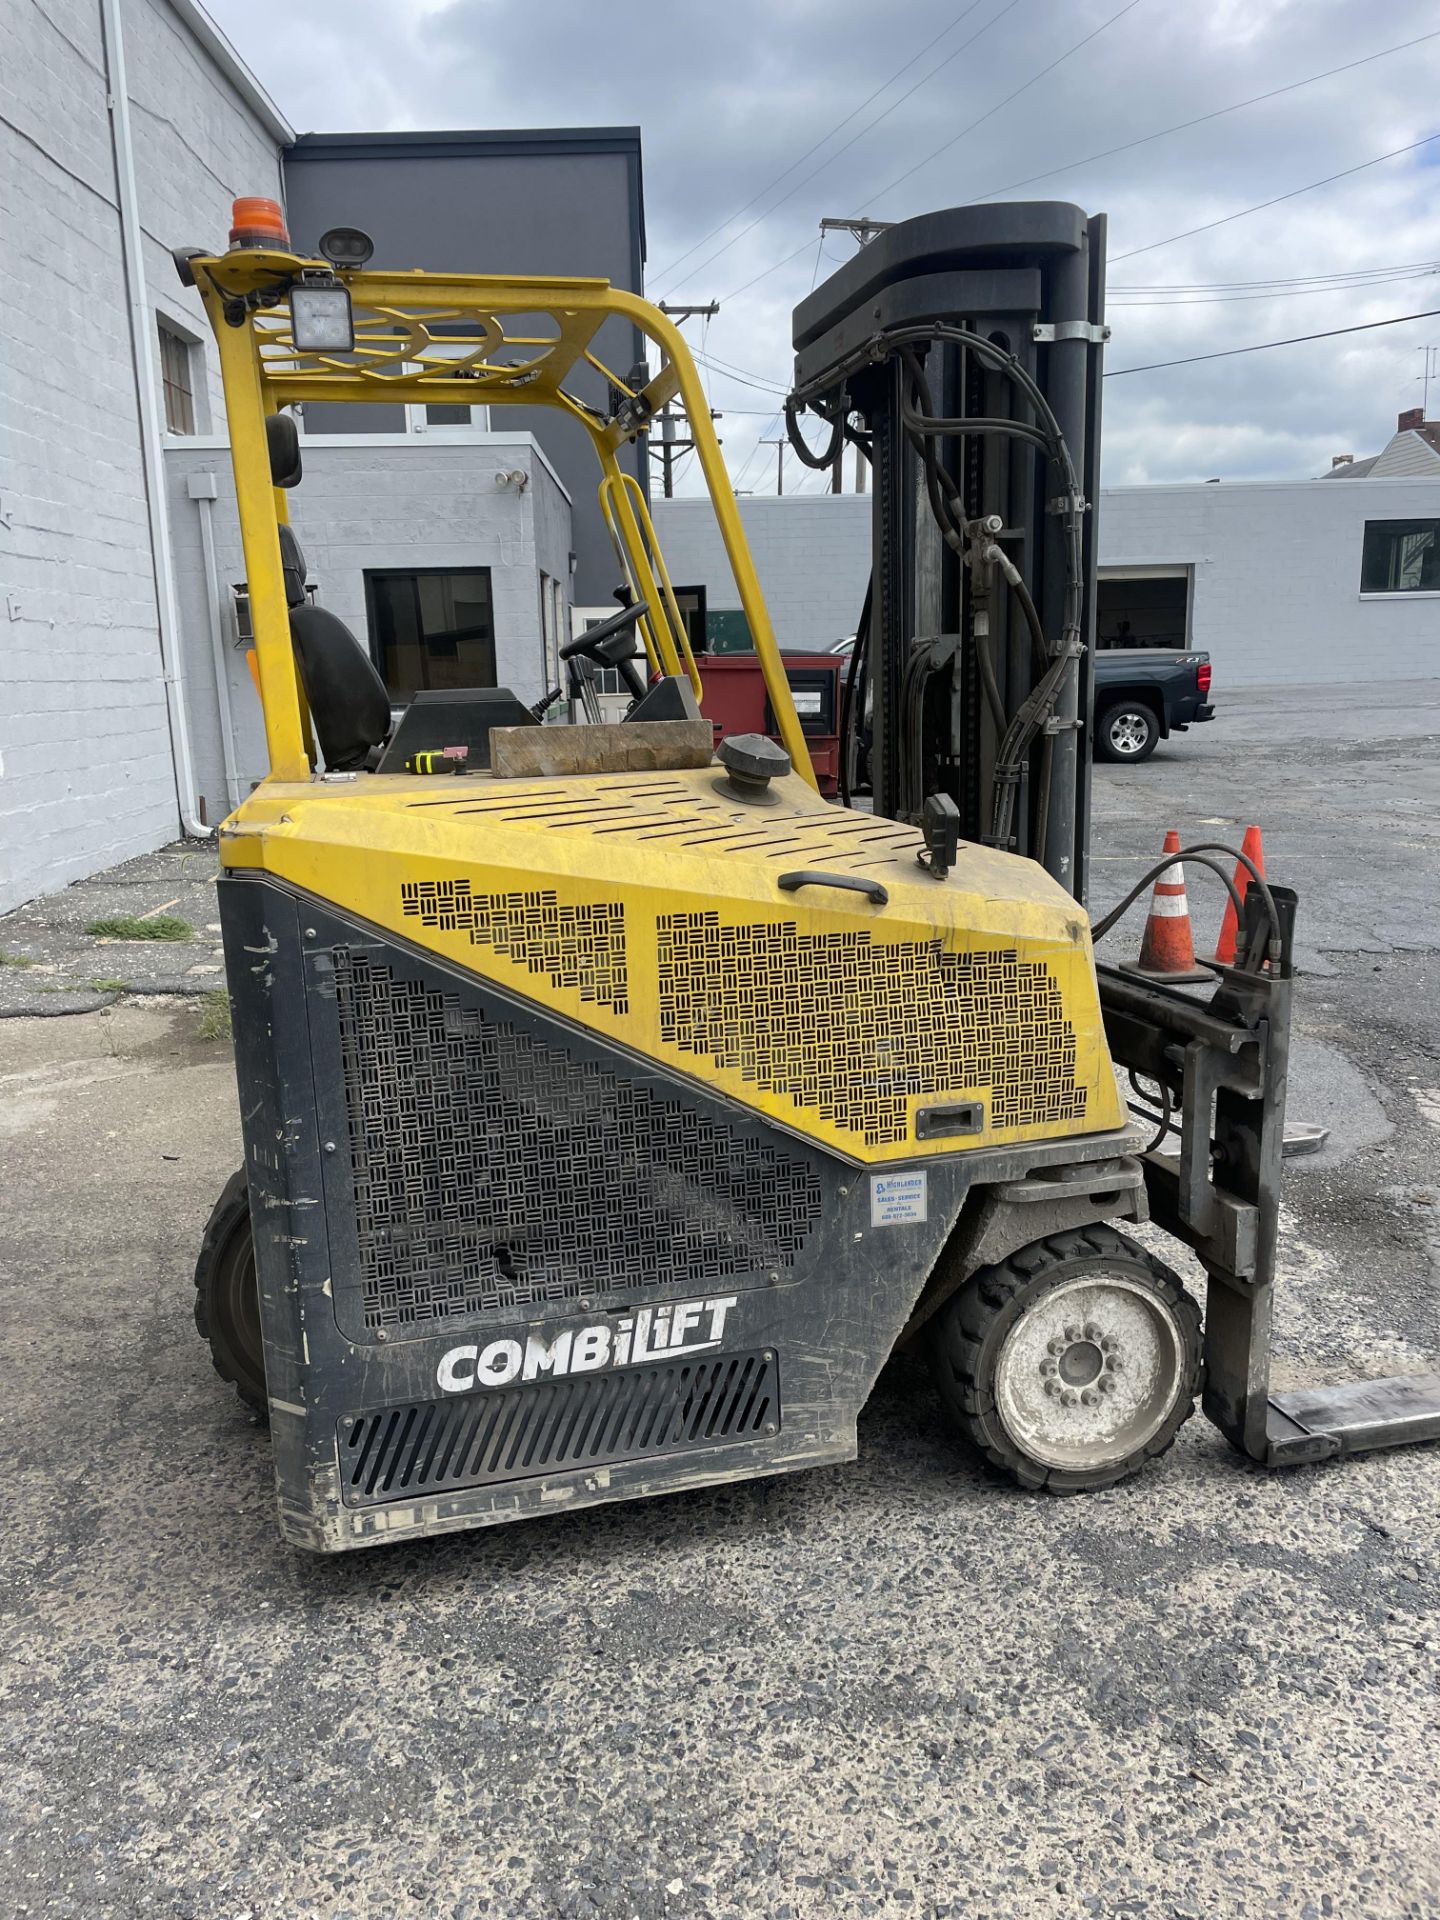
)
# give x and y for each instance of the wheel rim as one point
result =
(1090, 1373)
(1129, 732)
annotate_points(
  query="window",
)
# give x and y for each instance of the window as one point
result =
(431, 627)
(457, 421)
(1143, 607)
(176, 380)
(1401, 556)
(691, 602)
(551, 613)
(441, 421)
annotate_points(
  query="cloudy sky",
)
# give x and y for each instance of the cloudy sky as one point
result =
(759, 116)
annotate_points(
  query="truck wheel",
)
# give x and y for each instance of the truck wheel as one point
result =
(1127, 731)
(1073, 1362)
(227, 1299)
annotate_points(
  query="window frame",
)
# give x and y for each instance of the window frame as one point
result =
(172, 341)
(371, 577)
(1391, 539)
(415, 411)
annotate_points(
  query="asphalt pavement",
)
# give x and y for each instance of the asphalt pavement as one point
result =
(895, 1687)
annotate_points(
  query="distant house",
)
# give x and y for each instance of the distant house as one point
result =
(1412, 452)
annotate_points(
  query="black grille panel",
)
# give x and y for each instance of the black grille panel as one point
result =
(554, 1426)
(493, 1170)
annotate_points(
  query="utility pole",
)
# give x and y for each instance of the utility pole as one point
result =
(1429, 353)
(861, 231)
(669, 444)
(779, 443)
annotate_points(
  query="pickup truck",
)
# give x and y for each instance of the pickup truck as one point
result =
(1143, 695)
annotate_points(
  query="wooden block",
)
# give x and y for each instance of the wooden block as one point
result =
(647, 746)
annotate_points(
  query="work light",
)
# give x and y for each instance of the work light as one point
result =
(321, 320)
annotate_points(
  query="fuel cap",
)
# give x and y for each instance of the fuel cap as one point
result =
(752, 762)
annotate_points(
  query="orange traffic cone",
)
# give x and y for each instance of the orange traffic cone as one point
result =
(1168, 949)
(1230, 925)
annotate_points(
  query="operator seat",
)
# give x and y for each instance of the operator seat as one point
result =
(349, 707)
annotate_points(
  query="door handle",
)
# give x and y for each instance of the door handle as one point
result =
(811, 877)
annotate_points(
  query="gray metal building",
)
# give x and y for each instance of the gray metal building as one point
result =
(562, 202)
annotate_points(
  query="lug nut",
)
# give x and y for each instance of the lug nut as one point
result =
(1048, 1367)
(1072, 1334)
(1117, 1365)
(1051, 1388)
(1107, 1344)
(1105, 1386)
(1092, 1332)
(1089, 1398)
(1067, 1399)
(1056, 1346)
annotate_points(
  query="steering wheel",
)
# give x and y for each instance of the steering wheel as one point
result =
(600, 644)
(594, 640)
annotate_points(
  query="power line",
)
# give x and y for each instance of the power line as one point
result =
(1182, 126)
(804, 246)
(771, 419)
(1291, 280)
(955, 139)
(1263, 346)
(814, 172)
(665, 272)
(765, 273)
(1293, 194)
(755, 380)
(1276, 293)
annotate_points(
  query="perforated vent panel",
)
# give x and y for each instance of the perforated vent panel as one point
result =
(556, 1424)
(492, 1169)
(674, 814)
(853, 1027)
(574, 946)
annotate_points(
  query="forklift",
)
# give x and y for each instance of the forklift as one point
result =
(614, 1106)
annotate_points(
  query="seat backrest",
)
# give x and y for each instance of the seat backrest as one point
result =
(292, 566)
(349, 707)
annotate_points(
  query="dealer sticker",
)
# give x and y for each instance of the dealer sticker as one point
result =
(898, 1199)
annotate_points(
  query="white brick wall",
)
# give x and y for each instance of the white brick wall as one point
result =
(1276, 596)
(392, 504)
(85, 760)
(812, 553)
(1276, 570)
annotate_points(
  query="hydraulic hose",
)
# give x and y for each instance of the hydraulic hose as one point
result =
(856, 677)
(1200, 855)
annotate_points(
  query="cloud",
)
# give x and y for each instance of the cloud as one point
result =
(730, 97)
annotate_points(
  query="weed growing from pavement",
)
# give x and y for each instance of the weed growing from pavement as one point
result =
(130, 926)
(15, 959)
(215, 1016)
(111, 986)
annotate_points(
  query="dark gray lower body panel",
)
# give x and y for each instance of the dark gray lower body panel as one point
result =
(524, 1270)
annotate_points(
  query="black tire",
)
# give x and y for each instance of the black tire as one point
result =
(227, 1300)
(972, 1336)
(1126, 732)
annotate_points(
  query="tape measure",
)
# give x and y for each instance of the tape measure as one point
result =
(439, 760)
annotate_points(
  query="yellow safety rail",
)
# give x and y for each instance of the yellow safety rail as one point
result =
(666, 637)
(463, 340)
